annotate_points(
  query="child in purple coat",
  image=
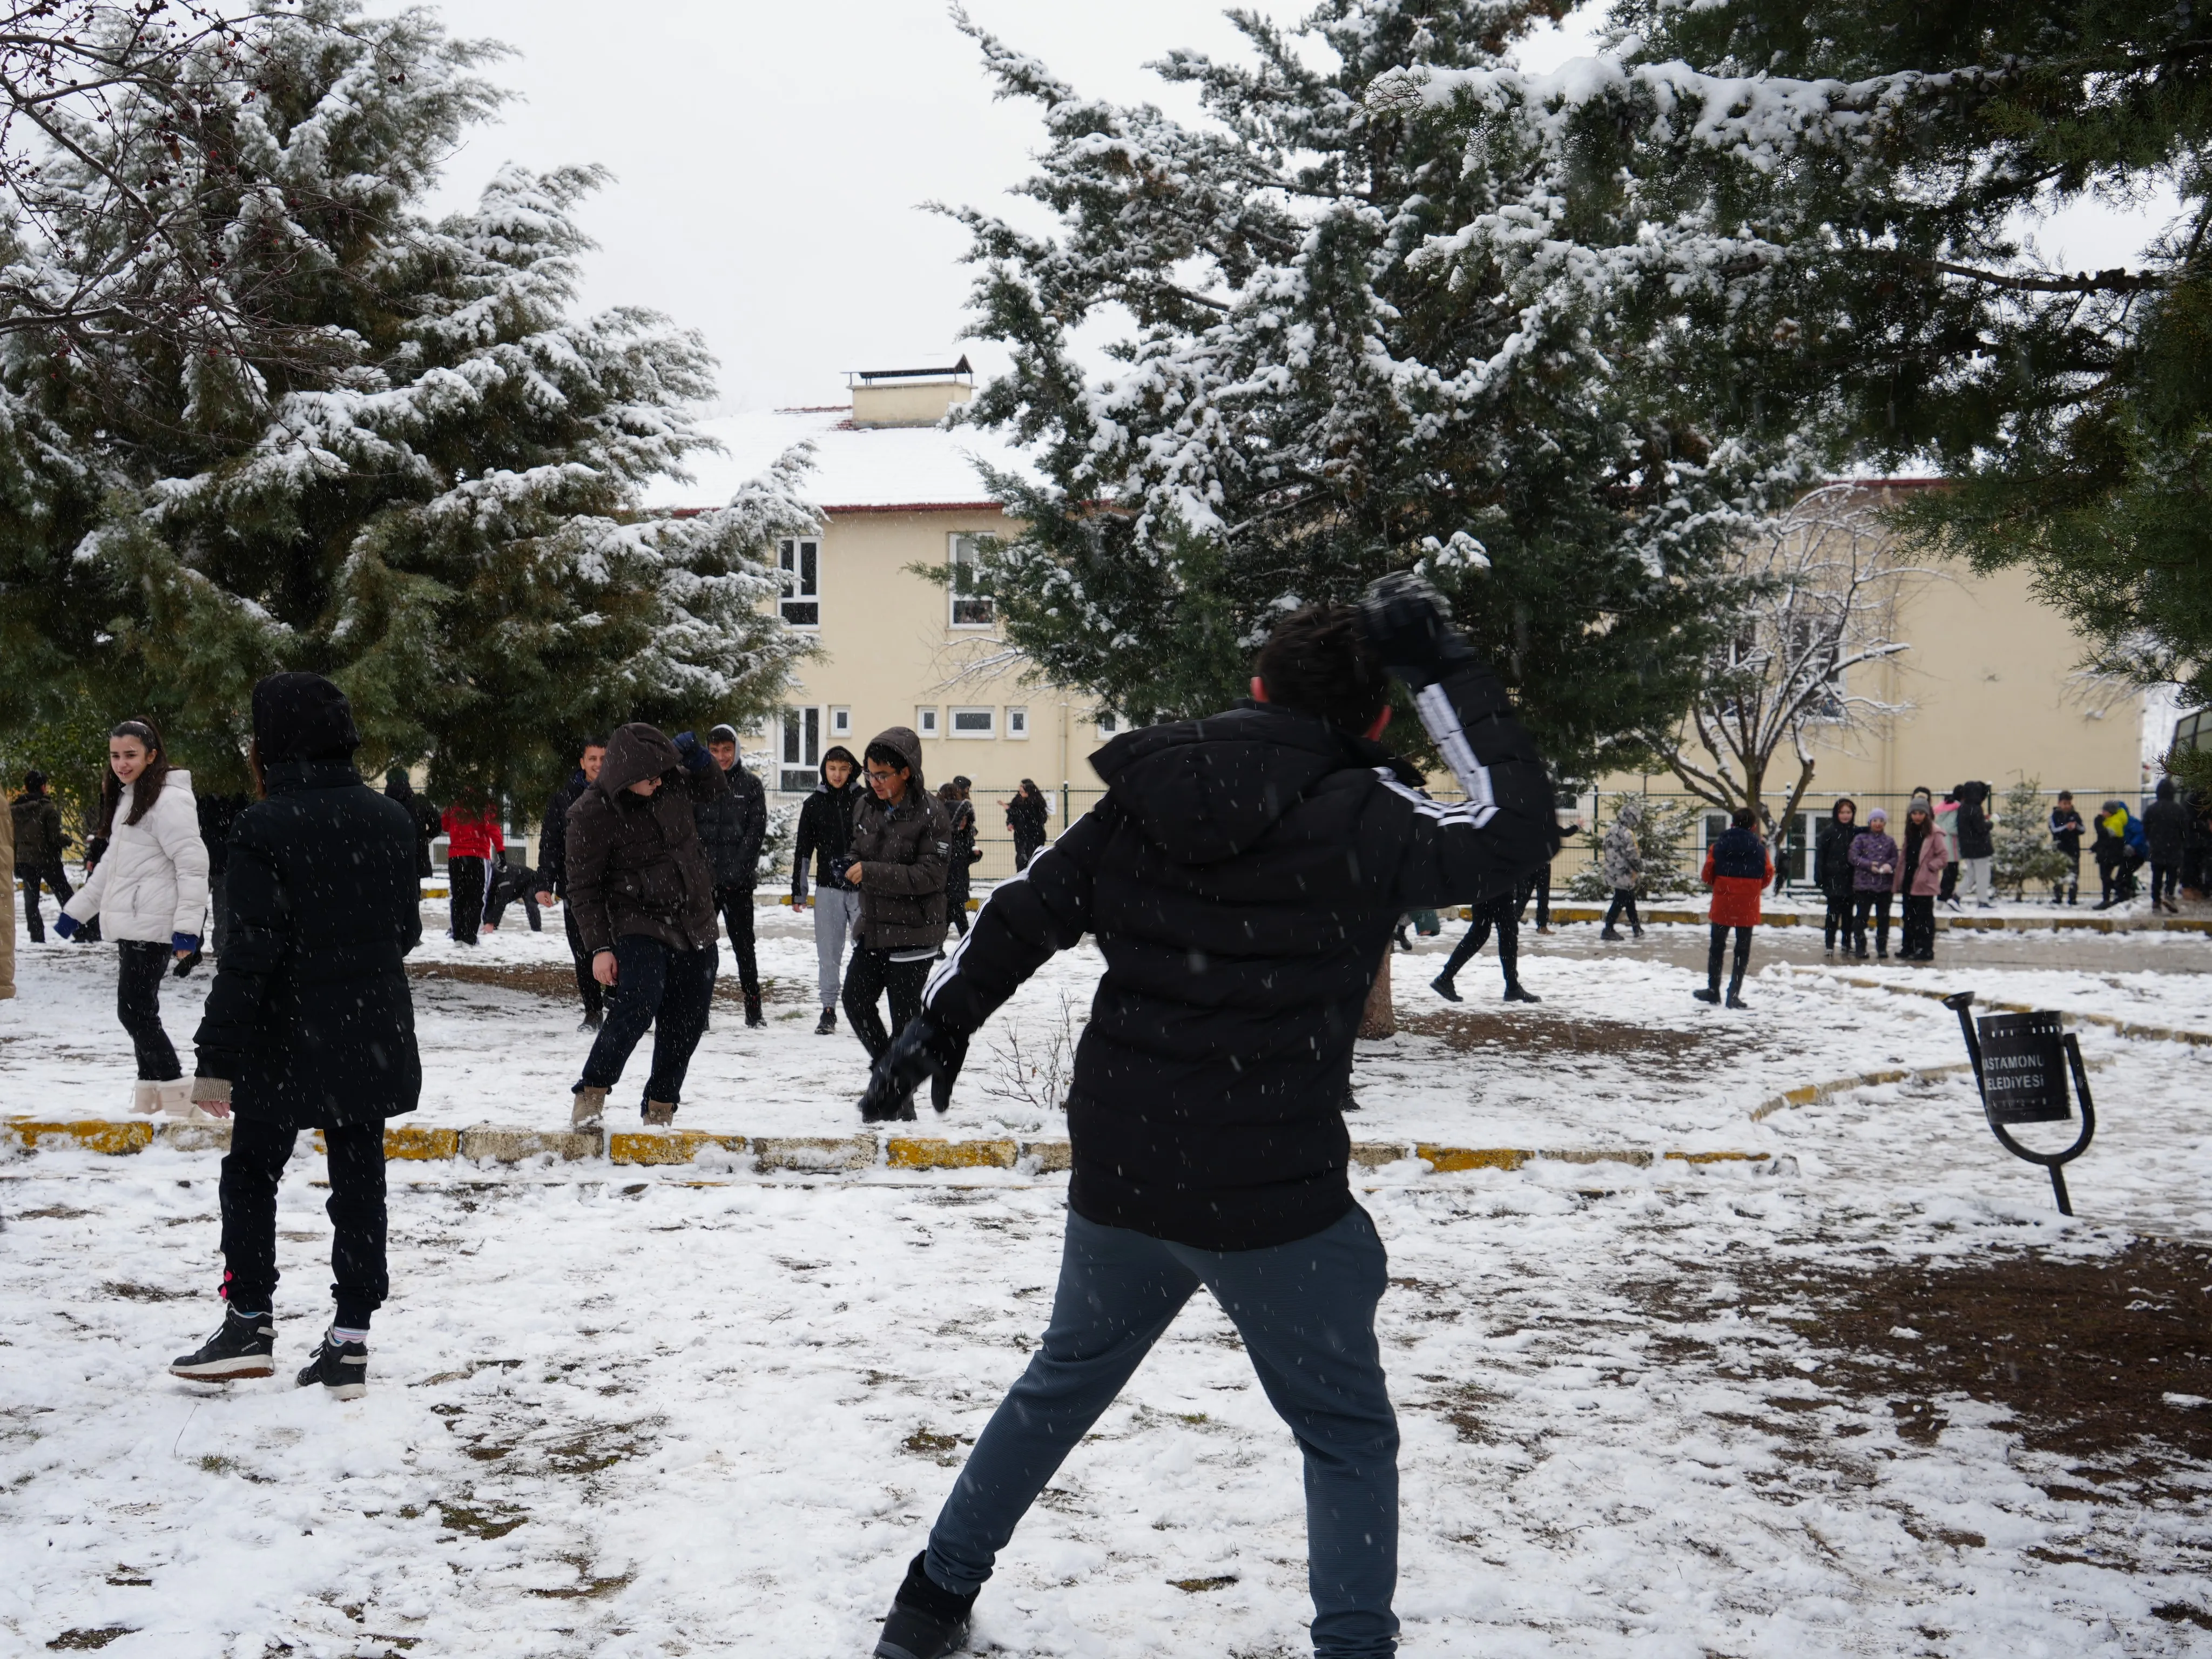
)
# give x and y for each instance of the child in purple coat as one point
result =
(1873, 858)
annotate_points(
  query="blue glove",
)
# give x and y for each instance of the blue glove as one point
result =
(694, 756)
(66, 925)
(184, 941)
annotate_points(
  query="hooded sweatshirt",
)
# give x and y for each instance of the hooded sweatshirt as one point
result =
(2165, 825)
(1623, 858)
(902, 849)
(826, 827)
(635, 865)
(1242, 877)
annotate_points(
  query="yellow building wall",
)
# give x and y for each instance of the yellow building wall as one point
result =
(889, 649)
(1992, 676)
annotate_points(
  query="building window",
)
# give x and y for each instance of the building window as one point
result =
(1018, 722)
(924, 721)
(1109, 724)
(971, 606)
(841, 722)
(799, 559)
(802, 752)
(974, 722)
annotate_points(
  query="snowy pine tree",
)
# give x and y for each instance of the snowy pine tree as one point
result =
(2021, 839)
(420, 477)
(1357, 341)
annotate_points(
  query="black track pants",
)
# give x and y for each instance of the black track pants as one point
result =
(138, 1005)
(736, 904)
(867, 976)
(1714, 951)
(250, 1172)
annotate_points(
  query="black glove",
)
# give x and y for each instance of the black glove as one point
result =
(923, 1049)
(1408, 624)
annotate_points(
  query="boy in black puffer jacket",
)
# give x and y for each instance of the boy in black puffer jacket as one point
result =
(1242, 877)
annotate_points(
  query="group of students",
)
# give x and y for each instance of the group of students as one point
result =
(2163, 837)
(1860, 867)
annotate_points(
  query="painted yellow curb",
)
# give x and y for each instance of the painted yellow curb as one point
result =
(822, 1152)
(665, 1146)
(93, 1135)
(902, 1153)
(1445, 1160)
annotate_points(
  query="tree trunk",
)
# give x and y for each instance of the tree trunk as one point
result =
(1379, 1018)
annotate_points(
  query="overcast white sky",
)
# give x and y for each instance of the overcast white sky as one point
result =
(770, 160)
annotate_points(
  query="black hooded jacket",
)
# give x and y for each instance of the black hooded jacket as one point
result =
(2165, 825)
(310, 1017)
(732, 827)
(1832, 872)
(1976, 840)
(1242, 877)
(825, 827)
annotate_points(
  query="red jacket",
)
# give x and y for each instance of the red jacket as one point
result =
(1735, 898)
(473, 835)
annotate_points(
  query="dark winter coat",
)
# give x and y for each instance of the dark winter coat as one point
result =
(1832, 864)
(634, 864)
(1025, 817)
(1873, 857)
(39, 838)
(1972, 823)
(1737, 868)
(553, 841)
(825, 827)
(900, 850)
(732, 827)
(2066, 830)
(959, 852)
(427, 822)
(2165, 825)
(1242, 876)
(309, 1017)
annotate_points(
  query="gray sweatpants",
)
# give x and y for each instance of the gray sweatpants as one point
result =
(835, 911)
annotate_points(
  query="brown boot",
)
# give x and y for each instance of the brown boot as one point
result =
(590, 1105)
(659, 1115)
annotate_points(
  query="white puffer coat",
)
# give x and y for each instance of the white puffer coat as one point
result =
(152, 885)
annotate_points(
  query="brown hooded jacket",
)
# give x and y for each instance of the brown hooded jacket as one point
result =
(635, 866)
(902, 851)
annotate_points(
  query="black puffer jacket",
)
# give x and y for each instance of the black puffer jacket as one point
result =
(1975, 840)
(902, 851)
(2165, 825)
(1832, 864)
(732, 827)
(826, 827)
(635, 865)
(310, 1017)
(553, 841)
(1242, 876)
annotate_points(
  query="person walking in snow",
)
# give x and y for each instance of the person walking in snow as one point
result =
(1025, 816)
(553, 873)
(2165, 831)
(40, 841)
(1502, 914)
(1833, 872)
(149, 894)
(959, 851)
(1873, 857)
(309, 1025)
(1622, 860)
(644, 896)
(2066, 832)
(1242, 876)
(1922, 859)
(732, 827)
(825, 836)
(1738, 866)
(901, 841)
(472, 835)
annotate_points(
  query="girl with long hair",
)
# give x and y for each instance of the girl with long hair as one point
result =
(149, 895)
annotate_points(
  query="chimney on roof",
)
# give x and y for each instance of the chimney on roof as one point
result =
(908, 396)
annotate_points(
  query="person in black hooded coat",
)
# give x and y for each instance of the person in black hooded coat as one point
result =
(309, 1024)
(1833, 870)
(1242, 877)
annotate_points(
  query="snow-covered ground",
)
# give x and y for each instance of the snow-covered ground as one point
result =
(678, 1410)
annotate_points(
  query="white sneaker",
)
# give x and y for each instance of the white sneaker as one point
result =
(177, 1100)
(145, 1098)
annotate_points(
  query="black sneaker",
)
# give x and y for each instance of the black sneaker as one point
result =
(240, 1348)
(827, 1024)
(1443, 988)
(591, 1022)
(926, 1622)
(1705, 994)
(341, 1367)
(1514, 993)
(1735, 1000)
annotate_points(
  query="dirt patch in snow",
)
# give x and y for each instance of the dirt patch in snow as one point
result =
(1471, 1031)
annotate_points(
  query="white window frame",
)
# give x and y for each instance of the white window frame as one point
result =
(841, 722)
(791, 564)
(791, 733)
(1018, 724)
(983, 610)
(989, 716)
(925, 722)
(1109, 724)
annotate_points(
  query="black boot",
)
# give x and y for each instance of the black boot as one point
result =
(1443, 986)
(1514, 993)
(827, 1024)
(240, 1348)
(753, 1014)
(1608, 932)
(1736, 993)
(1711, 993)
(341, 1367)
(926, 1621)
